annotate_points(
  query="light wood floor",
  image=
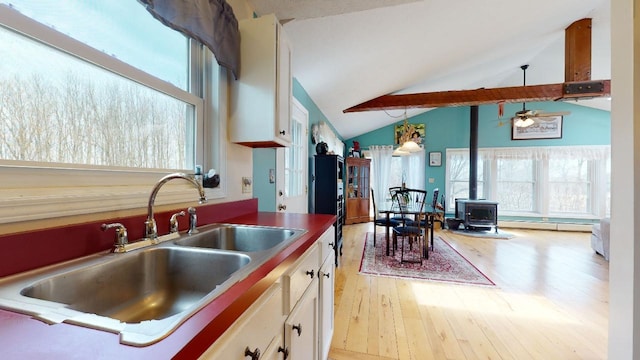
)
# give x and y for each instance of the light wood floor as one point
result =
(550, 302)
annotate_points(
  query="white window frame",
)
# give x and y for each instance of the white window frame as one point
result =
(33, 191)
(597, 175)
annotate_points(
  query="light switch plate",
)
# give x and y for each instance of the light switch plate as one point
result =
(246, 184)
(432, 180)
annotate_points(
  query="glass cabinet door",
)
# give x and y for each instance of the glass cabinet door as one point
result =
(365, 182)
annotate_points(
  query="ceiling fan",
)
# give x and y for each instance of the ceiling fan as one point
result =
(524, 117)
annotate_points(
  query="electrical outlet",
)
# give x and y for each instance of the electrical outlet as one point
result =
(246, 184)
(432, 180)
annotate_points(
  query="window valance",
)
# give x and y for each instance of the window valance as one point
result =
(587, 152)
(211, 22)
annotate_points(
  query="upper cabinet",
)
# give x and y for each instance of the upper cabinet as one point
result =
(261, 97)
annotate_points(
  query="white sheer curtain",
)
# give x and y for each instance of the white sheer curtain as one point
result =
(413, 166)
(381, 167)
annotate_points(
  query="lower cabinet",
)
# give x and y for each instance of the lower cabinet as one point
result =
(327, 293)
(255, 332)
(293, 319)
(301, 327)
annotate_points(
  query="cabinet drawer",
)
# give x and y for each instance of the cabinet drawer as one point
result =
(255, 329)
(300, 275)
(327, 243)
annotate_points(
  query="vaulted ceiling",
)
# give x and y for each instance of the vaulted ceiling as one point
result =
(347, 52)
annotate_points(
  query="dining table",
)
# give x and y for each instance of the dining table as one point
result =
(389, 207)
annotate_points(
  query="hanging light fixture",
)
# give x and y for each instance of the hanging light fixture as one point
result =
(398, 152)
(408, 145)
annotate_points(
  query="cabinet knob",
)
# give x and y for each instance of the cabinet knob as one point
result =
(255, 354)
(284, 351)
(282, 207)
(282, 132)
(298, 328)
(311, 273)
(323, 274)
(331, 245)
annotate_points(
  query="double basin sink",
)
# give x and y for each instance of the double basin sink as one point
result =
(145, 294)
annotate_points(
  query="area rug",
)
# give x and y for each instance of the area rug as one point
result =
(488, 234)
(445, 264)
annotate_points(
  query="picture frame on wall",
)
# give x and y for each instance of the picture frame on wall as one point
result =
(417, 133)
(542, 128)
(435, 158)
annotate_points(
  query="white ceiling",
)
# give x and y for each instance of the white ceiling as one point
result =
(346, 52)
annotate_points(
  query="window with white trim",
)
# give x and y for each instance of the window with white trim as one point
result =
(554, 181)
(98, 101)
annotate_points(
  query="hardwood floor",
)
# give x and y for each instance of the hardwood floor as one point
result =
(550, 302)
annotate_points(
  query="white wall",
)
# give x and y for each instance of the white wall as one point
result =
(624, 272)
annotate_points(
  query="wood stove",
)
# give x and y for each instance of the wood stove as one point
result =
(477, 214)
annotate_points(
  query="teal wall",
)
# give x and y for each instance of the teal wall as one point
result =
(449, 128)
(265, 159)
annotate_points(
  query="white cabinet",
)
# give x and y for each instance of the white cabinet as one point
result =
(259, 329)
(326, 278)
(261, 97)
(301, 327)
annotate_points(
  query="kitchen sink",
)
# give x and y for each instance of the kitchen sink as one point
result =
(240, 237)
(150, 285)
(144, 294)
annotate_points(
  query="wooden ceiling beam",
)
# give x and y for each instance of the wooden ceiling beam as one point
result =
(514, 94)
(577, 51)
(577, 85)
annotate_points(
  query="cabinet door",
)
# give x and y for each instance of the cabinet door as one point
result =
(255, 330)
(283, 75)
(327, 288)
(301, 327)
(276, 350)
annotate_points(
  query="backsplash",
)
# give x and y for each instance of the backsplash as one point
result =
(34, 249)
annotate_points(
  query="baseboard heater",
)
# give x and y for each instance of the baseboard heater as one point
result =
(545, 226)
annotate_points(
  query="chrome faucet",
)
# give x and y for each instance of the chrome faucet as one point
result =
(151, 230)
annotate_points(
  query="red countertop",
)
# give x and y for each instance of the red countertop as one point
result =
(22, 337)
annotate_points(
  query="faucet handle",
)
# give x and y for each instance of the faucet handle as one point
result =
(173, 222)
(121, 234)
(193, 221)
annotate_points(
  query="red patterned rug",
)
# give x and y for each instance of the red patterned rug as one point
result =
(445, 264)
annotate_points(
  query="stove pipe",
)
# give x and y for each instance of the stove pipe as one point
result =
(473, 153)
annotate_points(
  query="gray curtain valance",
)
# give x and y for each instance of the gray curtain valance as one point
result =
(211, 22)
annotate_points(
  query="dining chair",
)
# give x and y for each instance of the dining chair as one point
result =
(379, 220)
(395, 218)
(410, 204)
(428, 221)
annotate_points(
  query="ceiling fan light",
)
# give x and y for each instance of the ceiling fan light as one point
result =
(410, 146)
(524, 122)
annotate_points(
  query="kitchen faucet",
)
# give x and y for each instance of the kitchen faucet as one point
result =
(151, 230)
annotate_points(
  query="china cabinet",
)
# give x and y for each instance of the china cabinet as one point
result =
(358, 191)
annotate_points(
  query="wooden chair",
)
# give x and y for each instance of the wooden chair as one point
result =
(410, 204)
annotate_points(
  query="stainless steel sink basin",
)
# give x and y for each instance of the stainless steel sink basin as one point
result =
(239, 238)
(153, 284)
(146, 293)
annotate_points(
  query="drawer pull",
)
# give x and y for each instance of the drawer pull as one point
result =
(310, 273)
(331, 245)
(298, 328)
(323, 274)
(255, 355)
(284, 351)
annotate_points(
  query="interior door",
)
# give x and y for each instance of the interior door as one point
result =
(291, 165)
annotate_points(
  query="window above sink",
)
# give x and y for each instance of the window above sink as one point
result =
(84, 141)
